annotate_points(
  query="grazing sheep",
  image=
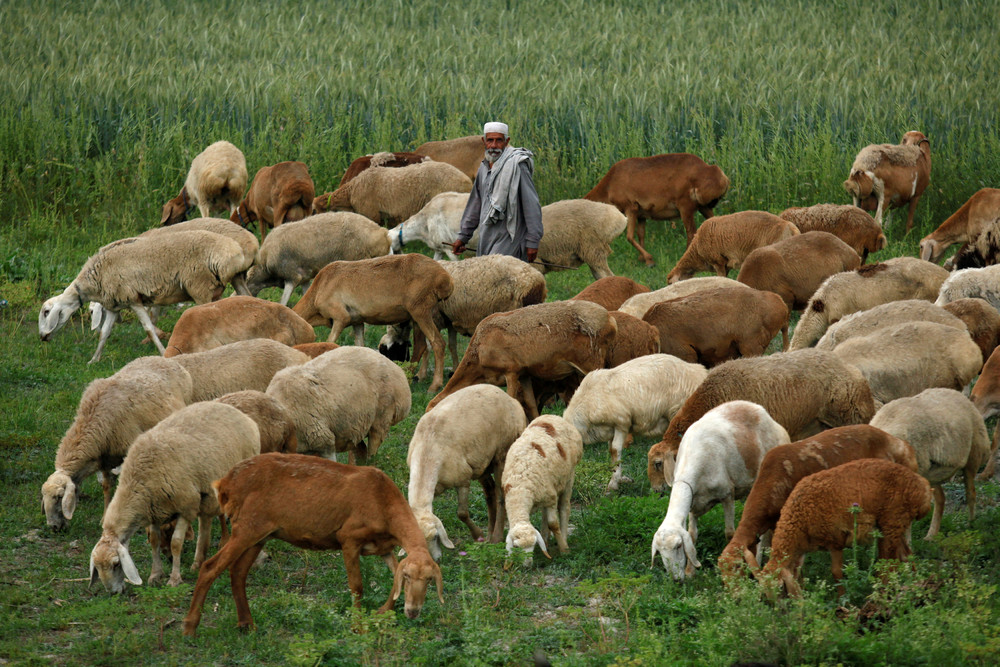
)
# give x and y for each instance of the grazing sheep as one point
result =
(661, 187)
(539, 473)
(463, 153)
(245, 364)
(236, 318)
(833, 509)
(904, 359)
(795, 267)
(112, 413)
(168, 473)
(610, 292)
(981, 283)
(640, 304)
(383, 159)
(848, 223)
(633, 339)
(316, 504)
(948, 435)
(717, 462)
(723, 242)
(390, 196)
(216, 180)
(279, 193)
(639, 397)
(805, 391)
(886, 315)
(984, 250)
(716, 325)
(887, 176)
(785, 465)
(138, 272)
(277, 432)
(340, 398)
(384, 290)
(547, 341)
(466, 438)
(981, 319)
(986, 397)
(436, 225)
(964, 226)
(313, 350)
(577, 232)
(873, 284)
(293, 254)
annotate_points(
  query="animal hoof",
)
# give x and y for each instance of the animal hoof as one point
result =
(174, 581)
(480, 539)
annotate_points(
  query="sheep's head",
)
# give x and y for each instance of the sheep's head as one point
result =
(55, 313)
(660, 462)
(678, 274)
(915, 138)
(395, 344)
(676, 549)
(339, 200)
(931, 250)
(58, 499)
(524, 536)
(412, 576)
(111, 562)
(732, 559)
(175, 210)
(434, 533)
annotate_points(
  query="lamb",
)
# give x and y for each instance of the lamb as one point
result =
(713, 326)
(292, 255)
(236, 318)
(981, 319)
(547, 341)
(832, 509)
(390, 196)
(795, 267)
(539, 473)
(805, 391)
(138, 272)
(848, 223)
(384, 290)
(634, 338)
(112, 413)
(639, 397)
(873, 284)
(661, 187)
(168, 473)
(279, 193)
(611, 292)
(886, 315)
(216, 180)
(722, 243)
(981, 283)
(640, 304)
(316, 504)
(717, 462)
(277, 432)
(340, 398)
(466, 438)
(964, 226)
(383, 159)
(576, 232)
(436, 224)
(463, 153)
(948, 435)
(904, 359)
(785, 465)
(887, 176)
(245, 364)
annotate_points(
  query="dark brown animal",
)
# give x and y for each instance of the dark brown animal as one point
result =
(464, 153)
(384, 159)
(610, 292)
(633, 339)
(981, 319)
(280, 193)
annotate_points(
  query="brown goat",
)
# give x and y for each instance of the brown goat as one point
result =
(633, 338)
(887, 176)
(848, 223)
(661, 187)
(280, 193)
(713, 326)
(964, 225)
(316, 349)
(317, 504)
(610, 292)
(384, 159)
(463, 153)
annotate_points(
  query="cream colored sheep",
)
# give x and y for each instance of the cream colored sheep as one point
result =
(436, 225)
(981, 283)
(848, 223)
(277, 432)
(247, 241)
(577, 232)
(639, 305)
(245, 364)
(887, 176)
(886, 315)
(217, 180)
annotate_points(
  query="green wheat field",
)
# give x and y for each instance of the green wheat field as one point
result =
(103, 105)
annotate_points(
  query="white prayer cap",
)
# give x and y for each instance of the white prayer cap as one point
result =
(495, 127)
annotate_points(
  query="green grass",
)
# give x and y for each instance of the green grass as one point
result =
(102, 107)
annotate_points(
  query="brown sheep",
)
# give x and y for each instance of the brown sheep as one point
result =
(383, 159)
(725, 241)
(964, 225)
(383, 290)
(633, 339)
(279, 193)
(464, 153)
(785, 465)
(640, 304)
(820, 514)
(795, 267)
(610, 292)
(887, 176)
(661, 187)
(211, 325)
(848, 223)
(277, 430)
(713, 326)
(217, 180)
(316, 349)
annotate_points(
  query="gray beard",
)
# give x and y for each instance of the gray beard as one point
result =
(492, 154)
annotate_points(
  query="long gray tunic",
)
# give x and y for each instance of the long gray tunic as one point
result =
(494, 239)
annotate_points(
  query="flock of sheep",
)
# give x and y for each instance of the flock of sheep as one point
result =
(862, 407)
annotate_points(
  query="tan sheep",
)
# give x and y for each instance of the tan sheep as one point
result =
(279, 193)
(634, 338)
(981, 283)
(383, 159)
(577, 232)
(848, 223)
(887, 176)
(640, 304)
(437, 225)
(610, 292)
(964, 225)
(981, 319)
(277, 431)
(723, 242)
(217, 180)
(245, 364)
(886, 315)
(463, 153)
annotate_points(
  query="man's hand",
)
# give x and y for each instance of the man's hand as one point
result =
(532, 255)
(458, 246)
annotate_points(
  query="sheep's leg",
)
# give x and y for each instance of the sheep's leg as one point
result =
(425, 321)
(693, 527)
(632, 218)
(110, 317)
(490, 494)
(359, 334)
(338, 322)
(106, 486)
(501, 516)
(156, 572)
(148, 325)
(784, 338)
(176, 549)
(991, 462)
(937, 513)
(837, 567)
(910, 213)
(514, 389)
(204, 537)
(529, 398)
(453, 346)
(463, 513)
(562, 527)
(229, 555)
(729, 512)
(238, 583)
(617, 445)
(970, 491)
(762, 544)
(880, 193)
(420, 354)
(352, 563)
(286, 293)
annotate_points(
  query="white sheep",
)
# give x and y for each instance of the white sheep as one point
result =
(245, 364)
(539, 473)
(885, 315)
(981, 283)
(113, 411)
(216, 180)
(717, 461)
(277, 432)
(436, 225)
(639, 305)
(138, 272)
(639, 397)
(168, 473)
(465, 438)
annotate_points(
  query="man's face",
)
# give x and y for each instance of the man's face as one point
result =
(494, 142)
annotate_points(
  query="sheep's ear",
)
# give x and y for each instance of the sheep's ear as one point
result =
(69, 500)
(689, 549)
(93, 571)
(669, 462)
(443, 534)
(128, 567)
(397, 583)
(541, 543)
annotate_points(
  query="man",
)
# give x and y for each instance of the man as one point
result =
(503, 203)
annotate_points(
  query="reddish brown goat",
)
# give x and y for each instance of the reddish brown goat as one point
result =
(633, 338)
(964, 225)
(280, 193)
(463, 153)
(661, 187)
(981, 319)
(887, 176)
(610, 292)
(317, 504)
(385, 159)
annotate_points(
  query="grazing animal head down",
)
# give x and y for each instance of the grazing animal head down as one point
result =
(412, 576)
(56, 312)
(660, 466)
(525, 536)
(111, 562)
(58, 500)
(434, 533)
(676, 549)
(175, 210)
(394, 346)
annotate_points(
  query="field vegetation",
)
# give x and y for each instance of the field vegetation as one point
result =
(104, 104)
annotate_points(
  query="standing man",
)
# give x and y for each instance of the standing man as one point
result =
(503, 203)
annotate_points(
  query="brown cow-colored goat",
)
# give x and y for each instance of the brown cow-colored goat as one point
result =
(887, 176)
(279, 193)
(384, 159)
(463, 153)
(610, 292)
